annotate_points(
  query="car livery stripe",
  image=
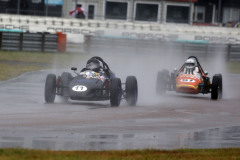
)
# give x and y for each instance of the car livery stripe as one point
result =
(186, 85)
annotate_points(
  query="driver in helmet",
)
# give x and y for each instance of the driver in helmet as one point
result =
(191, 67)
(93, 64)
(94, 69)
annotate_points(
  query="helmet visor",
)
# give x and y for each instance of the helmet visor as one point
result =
(190, 65)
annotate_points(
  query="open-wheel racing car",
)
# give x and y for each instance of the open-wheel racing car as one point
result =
(96, 82)
(191, 79)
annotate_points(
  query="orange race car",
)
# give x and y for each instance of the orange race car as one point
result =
(191, 79)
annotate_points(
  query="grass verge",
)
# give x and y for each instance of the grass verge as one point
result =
(37, 57)
(13, 64)
(233, 67)
(183, 154)
(10, 71)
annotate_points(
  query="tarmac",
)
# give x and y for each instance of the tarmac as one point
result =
(171, 121)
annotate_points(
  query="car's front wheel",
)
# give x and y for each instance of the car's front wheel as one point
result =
(50, 88)
(115, 92)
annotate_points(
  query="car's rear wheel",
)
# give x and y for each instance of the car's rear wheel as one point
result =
(220, 87)
(162, 81)
(115, 92)
(131, 90)
(50, 88)
(216, 86)
(65, 80)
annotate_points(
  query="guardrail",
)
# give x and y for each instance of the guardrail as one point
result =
(112, 24)
(33, 42)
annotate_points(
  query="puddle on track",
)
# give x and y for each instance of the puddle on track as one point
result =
(208, 138)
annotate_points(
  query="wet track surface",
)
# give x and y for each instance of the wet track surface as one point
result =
(169, 122)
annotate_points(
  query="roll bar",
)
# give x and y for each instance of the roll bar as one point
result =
(105, 66)
(199, 66)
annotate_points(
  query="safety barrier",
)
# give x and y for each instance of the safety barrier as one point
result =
(114, 24)
(33, 42)
(138, 30)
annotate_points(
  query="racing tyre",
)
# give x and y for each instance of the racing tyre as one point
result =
(162, 81)
(65, 80)
(216, 92)
(131, 90)
(115, 92)
(50, 88)
(220, 86)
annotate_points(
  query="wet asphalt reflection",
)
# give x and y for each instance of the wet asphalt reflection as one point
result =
(210, 138)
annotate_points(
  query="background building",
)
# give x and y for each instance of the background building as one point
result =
(160, 11)
(199, 12)
(163, 11)
(51, 8)
(212, 11)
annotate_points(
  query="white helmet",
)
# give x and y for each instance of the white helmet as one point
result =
(189, 66)
(190, 63)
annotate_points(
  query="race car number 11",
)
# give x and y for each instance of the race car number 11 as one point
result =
(79, 88)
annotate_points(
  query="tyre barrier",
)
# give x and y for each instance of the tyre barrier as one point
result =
(32, 42)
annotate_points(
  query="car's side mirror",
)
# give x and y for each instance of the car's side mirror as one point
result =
(206, 72)
(73, 68)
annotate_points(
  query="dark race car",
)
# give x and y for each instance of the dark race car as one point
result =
(96, 82)
(191, 79)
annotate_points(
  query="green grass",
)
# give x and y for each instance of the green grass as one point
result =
(183, 154)
(233, 67)
(11, 71)
(36, 57)
(13, 64)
